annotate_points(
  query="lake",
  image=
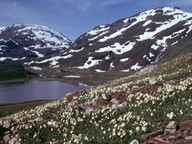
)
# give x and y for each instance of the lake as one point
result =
(35, 90)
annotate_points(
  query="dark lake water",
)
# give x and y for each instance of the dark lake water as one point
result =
(35, 90)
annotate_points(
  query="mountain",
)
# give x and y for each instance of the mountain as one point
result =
(22, 41)
(129, 44)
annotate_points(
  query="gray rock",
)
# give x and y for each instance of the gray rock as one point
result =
(106, 97)
(13, 141)
(7, 123)
(189, 138)
(171, 125)
(171, 128)
(134, 142)
(6, 138)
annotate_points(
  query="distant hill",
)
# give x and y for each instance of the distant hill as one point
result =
(23, 41)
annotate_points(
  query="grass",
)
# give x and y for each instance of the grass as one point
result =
(141, 103)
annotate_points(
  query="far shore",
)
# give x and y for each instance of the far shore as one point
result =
(11, 108)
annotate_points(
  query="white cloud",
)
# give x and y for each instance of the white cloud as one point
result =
(112, 2)
(85, 5)
(13, 12)
(13, 4)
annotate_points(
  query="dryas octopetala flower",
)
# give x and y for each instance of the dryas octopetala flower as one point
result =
(138, 129)
(170, 115)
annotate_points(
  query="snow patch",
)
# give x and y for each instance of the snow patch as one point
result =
(174, 43)
(36, 68)
(11, 58)
(117, 48)
(74, 51)
(54, 62)
(98, 70)
(99, 35)
(136, 67)
(127, 70)
(163, 42)
(124, 59)
(178, 17)
(89, 63)
(112, 65)
(98, 30)
(151, 55)
(45, 34)
(147, 22)
(107, 57)
(189, 24)
(72, 76)
(3, 58)
(36, 52)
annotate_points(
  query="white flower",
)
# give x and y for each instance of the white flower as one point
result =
(170, 115)
(144, 128)
(86, 138)
(137, 129)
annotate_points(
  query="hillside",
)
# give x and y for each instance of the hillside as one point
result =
(127, 45)
(13, 71)
(116, 112)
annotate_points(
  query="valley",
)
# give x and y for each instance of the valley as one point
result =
(139, 70)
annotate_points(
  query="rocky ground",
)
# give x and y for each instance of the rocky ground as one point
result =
(173, 134)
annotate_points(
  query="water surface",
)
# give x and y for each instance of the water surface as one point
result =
(35, 90)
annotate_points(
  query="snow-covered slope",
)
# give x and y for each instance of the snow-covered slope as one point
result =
(1, 29)
(31, 41)
(128, 44)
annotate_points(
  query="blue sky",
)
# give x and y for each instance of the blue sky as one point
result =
(74, 17)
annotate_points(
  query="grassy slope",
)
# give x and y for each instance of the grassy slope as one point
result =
(152, 99)
(13, 71)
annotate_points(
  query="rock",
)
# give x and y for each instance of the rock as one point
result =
(37, 120)
(186, 124)
(152, 142)
(171, 128)
(134, 142)
(114, 101)
(13, 130)
(106, 97)
(7, 123)
(161, 141)
(188, 138)
(172, 134)
(14, 141)
(171, 125)
(153, 134)
(74, 103)
(6, 138)
(31, 121)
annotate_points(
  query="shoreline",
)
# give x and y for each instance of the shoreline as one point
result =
(11, 108)
(16, 80)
